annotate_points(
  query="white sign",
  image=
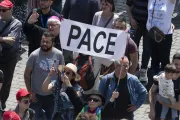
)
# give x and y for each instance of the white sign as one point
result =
(92, 40)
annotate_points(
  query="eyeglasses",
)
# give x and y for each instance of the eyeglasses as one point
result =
(4, 10)
(26, 102)
(93, 99)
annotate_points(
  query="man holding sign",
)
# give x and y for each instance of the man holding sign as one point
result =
(123, 92)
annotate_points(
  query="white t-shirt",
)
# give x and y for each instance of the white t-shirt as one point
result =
(166, 87)
(96, 69)
(162, 16)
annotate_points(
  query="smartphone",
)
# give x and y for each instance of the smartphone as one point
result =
(35, 10)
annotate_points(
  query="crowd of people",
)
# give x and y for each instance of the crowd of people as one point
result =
(65, 85)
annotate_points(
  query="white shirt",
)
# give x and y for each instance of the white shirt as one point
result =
(166, 87)
(162, 16)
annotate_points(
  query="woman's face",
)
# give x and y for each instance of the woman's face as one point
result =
(94, 101)
(69, 73)
(106, 6)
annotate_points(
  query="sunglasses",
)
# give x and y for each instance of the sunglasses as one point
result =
(67, 72)
(93, 99)
(4, 10)
(26, 102)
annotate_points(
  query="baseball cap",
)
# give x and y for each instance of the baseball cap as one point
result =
(22, 93)
(10, 115)
(6, 3)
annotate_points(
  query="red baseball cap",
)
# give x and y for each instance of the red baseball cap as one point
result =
(22, 93)
(10, 115)
(6, 4)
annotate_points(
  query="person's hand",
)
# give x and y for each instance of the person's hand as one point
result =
(155, 77)
(133, 23)
(52, 71)
(65, 80)
(172, 101)
(33, 18)
(33, 97)
(152, 115)
(114, 96)
(131, 108)
(9, 40)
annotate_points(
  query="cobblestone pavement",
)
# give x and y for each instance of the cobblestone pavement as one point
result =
(140, 114)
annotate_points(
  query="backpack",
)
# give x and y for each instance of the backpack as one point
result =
(86, 72)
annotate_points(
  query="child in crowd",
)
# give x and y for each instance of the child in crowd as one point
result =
(22, 109)
(166, 89)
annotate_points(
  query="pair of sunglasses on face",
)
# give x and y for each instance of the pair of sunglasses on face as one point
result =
(93, 99)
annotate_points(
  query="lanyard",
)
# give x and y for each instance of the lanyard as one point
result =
(42, 21)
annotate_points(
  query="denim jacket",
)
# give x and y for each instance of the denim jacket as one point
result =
(137, 91)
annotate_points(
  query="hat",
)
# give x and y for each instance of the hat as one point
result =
(98, 93)
(73, 68)
(10, 115)
(54, 19)
(6, 4)
(22, 93)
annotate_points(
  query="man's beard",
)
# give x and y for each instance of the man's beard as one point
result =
(46, 49)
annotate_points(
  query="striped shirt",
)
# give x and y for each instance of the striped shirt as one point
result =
(139, 9)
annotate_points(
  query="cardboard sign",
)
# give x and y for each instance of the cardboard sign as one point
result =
(92, 40)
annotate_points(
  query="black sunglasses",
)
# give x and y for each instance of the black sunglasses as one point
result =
(93, 99)
(26, 101)
(4, 10)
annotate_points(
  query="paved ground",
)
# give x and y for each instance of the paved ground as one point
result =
(140, 114)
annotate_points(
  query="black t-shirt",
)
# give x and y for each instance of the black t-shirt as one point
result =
(118, 109)
(158, 106)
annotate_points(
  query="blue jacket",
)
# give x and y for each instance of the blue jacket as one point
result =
(137, 91)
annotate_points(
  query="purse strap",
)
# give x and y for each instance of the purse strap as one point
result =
(109, 20)
(4, 28)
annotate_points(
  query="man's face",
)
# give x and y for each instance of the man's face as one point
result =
(5, 12)
(24, 103)
(176, 62)
(125, 67)
(46, 43)
(44, 4)
(119, 25)
(53, 28)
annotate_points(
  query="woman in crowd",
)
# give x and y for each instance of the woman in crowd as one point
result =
(160, 31)
(67, 82)
(105, 17)
(95, 102)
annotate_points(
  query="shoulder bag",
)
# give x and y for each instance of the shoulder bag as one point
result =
(155, 33)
